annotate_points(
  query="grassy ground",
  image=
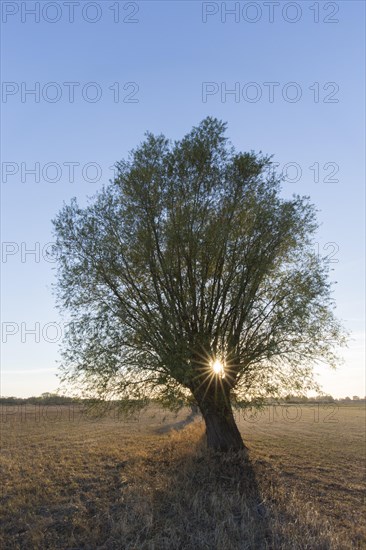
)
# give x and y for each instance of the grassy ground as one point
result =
(70, 482)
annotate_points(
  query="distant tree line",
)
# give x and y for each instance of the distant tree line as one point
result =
(323, 399)
(43, 399)
(48, 398)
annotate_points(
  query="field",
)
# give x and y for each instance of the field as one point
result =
(74, 482)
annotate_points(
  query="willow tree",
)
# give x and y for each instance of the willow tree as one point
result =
(189, 277)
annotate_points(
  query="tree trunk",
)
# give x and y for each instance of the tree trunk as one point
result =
(221, 430)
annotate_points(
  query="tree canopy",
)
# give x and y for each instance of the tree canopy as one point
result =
(192, 255)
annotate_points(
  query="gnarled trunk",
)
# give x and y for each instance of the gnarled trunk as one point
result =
(221, 430)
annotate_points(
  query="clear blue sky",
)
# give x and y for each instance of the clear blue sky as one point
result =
(168, 54)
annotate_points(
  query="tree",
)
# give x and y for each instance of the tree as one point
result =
(189, 277)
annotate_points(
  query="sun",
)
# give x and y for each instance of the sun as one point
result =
(218, 368)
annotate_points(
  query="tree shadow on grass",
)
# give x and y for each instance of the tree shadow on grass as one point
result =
(194, 415)
(200, 500)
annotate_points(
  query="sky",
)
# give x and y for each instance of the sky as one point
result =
(83, 81)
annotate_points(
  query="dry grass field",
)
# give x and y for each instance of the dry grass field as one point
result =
(74, 482)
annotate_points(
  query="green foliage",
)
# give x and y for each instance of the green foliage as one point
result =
(191, 253)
